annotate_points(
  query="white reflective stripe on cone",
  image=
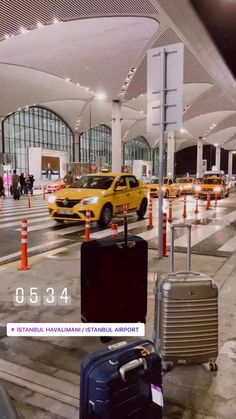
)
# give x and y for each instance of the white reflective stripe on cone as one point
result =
(23, 241)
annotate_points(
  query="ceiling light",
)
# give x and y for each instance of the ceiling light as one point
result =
(39, 25)
(77, 84)
(183, 130)
(215, 145)
(234, 152)
(142, 111)
(7, 36)
(100, 96)
(23, 30)
(87, 89)
(55, 21)
(67, 79)
(141, 95)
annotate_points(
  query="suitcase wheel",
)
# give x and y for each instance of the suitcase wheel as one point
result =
(213, 366)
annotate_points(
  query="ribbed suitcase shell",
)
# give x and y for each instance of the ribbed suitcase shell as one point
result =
(186, 314)
(188, 319)
(105, 395)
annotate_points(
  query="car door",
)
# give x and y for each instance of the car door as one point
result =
(135, 192)
(121, 194)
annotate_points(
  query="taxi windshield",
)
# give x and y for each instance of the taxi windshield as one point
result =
(185, 180)
(93, 182)
(156, 181)
(211, 181)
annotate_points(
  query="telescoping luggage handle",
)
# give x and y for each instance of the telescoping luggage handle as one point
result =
(172, 268)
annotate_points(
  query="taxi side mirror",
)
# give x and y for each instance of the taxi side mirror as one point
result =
(120, 188)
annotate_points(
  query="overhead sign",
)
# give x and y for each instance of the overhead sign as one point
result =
(172, 75)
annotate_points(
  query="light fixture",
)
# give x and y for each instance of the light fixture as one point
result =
(77, 84)
(55, 21)
(23, 30)
(216, 145)
(183, 130)
(100, 96)
(67, 79)
(7, 36)
(39, 25)
(87, 89)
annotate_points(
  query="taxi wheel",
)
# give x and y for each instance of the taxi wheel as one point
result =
(106, 216)
(178, 194)
(167, 194)
(59, 221)
(142, 209)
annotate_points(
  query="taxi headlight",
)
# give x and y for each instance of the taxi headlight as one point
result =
(198, 188)
(163, 188)
(88, 201)
(51, 199)
(217, 189)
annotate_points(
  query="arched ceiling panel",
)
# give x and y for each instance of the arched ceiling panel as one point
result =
(97, 53)
(69, 110)
(24, 13)
(22, 86)
(201, 125)
(231, 145)
(95, 113)
(220, 137)
(194, 72)
(212, 101)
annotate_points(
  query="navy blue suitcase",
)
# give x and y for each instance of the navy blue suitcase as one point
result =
(123, 381)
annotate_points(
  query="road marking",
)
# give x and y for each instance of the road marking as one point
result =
(17, 216)
(107, 232)
(31, 249)
(39, 226)
(17, 223)
(229, 246)
(19, 210)
(201, 233)
(47, 385)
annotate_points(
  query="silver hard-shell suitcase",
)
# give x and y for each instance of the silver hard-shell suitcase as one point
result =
(186, 315)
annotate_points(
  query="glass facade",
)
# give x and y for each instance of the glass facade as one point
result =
(137, 149)
(95, 142)
(34, 127)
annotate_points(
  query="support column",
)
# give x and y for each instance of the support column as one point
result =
(116, 137)
(1, 151)
(199, 157)
(217, 160)
(171, 154)
(77, 147)
(230, 164)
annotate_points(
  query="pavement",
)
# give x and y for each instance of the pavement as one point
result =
(42, 375)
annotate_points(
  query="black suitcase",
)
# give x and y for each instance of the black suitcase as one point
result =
(122, 382)
(114, 280)
(16, 194)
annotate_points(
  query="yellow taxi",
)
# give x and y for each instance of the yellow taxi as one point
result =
(186, 184)
(214, 185)
(104, 194)
(170, 188)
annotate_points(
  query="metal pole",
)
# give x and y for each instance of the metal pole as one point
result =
(161, 152)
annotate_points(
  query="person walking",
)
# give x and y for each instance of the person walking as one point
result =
(2, 189)
(31, 184)
(15, 182)
(68, 179)
(22, 183)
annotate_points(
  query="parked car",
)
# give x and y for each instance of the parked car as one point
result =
(214, 186)
(186, 184)
(104, 194)
(55, 186)
(170, 188)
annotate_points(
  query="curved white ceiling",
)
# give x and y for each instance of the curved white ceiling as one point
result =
(97, 53)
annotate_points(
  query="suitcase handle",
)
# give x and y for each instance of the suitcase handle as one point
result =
(132, 365)
(185, 273)
(173, 227)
